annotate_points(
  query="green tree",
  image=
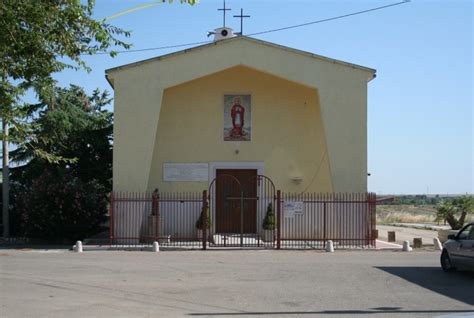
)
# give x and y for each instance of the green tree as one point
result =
(455, 211)
(51, 195)
(37, 39)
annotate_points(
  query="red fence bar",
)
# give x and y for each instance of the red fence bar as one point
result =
(111, 219)
(205, 216)
(278, 219)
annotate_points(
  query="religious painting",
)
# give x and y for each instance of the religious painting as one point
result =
(237, 118)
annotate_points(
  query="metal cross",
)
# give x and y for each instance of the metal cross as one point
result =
(241, 16)
(224, 10)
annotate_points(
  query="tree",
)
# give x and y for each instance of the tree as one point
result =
(65, 198)
(37, 39)
(455, 211)
(77, 130)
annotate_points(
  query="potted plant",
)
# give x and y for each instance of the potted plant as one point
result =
(268, 224)
(200, 222)
(454, 212)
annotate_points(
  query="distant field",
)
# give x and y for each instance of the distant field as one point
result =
(407, 214)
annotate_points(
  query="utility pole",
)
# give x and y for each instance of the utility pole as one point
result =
(5, 180)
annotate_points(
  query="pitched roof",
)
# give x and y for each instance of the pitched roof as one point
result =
(244, 38)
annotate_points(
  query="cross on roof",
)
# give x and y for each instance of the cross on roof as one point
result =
(241, 16)
(224, 9)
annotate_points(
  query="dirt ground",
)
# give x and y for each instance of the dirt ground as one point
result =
(407, 234)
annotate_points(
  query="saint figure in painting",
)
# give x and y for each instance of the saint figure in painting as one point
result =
(237, 113)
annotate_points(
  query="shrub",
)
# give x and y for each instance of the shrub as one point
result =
(269, 220)
(61, 207)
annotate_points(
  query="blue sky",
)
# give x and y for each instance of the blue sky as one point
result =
(420, 110)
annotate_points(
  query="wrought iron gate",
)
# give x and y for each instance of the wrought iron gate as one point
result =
(242, 211)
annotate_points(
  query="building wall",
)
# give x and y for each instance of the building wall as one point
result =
(140, 89)
(287, 130)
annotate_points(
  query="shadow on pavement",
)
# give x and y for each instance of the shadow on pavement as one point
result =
(333, 312)
(456, 285)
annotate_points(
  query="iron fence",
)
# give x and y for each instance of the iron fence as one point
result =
(309, 220)
(188, 219)
(142, 218)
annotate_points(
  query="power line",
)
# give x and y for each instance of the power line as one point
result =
(154, 48)
(330, 19)
(263, 32)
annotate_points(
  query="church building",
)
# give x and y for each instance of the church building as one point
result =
(242, 106)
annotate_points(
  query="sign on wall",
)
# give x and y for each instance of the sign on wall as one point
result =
(292, 208)
(185, 171)
(237, 118)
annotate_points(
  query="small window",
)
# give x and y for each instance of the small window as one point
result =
(467, 234)
(471, 233)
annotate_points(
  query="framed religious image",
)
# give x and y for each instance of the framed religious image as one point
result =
(237, 118)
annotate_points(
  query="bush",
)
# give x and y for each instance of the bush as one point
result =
(269, 220)
(59, 207)
(200, 221)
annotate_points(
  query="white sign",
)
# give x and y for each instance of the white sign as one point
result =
(185, 171)
(293, 208)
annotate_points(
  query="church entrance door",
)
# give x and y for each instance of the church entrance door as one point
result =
(235, 201)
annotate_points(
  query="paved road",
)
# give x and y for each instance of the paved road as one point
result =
(230, 283)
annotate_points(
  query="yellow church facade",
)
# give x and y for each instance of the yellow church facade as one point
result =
(240, 103)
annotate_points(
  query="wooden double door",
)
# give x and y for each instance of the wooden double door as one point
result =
(236, 201)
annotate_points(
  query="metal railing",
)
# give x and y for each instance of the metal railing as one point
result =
(309, 220)
(188, 219)
(142, 218)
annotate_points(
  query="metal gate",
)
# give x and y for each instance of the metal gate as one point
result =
(242, 210)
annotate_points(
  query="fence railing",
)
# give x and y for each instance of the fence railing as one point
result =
(309, 220)
(142, 218)
(304, 221)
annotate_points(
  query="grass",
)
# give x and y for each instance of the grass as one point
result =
(405, 214)
(387, 214)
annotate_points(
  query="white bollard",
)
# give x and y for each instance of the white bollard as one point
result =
(437, 244)
(156, 247)
(329, 246)
(78, 247)
(406, 246)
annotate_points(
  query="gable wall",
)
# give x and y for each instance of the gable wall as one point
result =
(287, 132)
(139, 90)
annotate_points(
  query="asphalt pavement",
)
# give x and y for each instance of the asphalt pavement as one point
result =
(231, 283)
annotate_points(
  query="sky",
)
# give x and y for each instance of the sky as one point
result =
(420, 106)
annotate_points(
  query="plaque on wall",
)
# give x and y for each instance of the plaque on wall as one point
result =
(185, 172)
